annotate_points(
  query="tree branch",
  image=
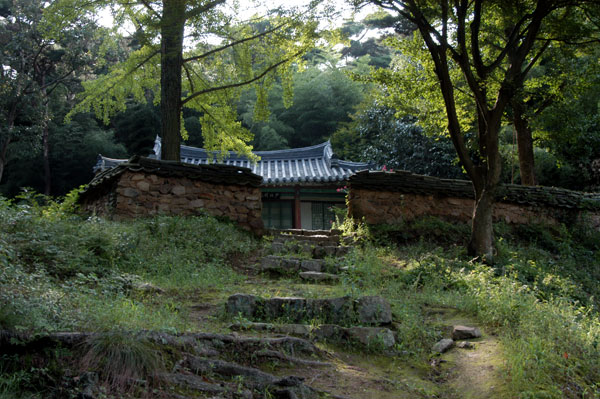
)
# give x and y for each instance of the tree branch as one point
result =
(146, 4)
(475, 48)
(235, 43)
(239, 84)
(187, 73)
(202, 9)
(510, 43)
(535, 59)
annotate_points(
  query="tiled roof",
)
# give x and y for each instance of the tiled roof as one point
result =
(304, 166)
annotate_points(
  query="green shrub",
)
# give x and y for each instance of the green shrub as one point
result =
(122, 360)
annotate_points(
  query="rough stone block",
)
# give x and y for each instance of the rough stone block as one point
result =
(130, 192)
(464, 332)
(311, 265)
(342, 251)
(285, 308)
(376, 337)
(328, 332)
(143, 185)
(178, 190)
(373, 310)
(197, 203)
(243, 304)
(443, 345)
(333, 310)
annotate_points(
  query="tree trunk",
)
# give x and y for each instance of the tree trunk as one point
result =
(12, 115)
(45, 139)
(172, 27)
(482, 229)
(524, 144)
(3, 152)
(46, 151)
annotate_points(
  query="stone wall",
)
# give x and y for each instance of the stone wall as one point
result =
(391, 198)
(131, 190)
(387, 207)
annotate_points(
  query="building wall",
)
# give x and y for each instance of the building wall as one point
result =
(386, 207)
(137, 194)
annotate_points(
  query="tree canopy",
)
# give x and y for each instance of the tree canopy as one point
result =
(201, 60)
(480, 53)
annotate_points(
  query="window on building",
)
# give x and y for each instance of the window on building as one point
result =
(322, 215)
(277, 214)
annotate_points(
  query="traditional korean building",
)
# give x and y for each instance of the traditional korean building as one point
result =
(301, 186)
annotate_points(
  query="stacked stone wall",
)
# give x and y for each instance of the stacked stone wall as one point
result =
(387, 207)
(134, 194)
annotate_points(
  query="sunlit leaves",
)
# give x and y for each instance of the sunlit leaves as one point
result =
(108, 94)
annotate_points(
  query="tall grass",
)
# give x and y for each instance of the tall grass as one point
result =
(540, 298)
(64, 271)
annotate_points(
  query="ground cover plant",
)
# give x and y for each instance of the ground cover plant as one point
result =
(128, 281)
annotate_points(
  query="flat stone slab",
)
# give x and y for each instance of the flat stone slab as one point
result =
(300, 330)
(373, 311)
(317, 276)
(317, 239)
(464, 332)
(443, 345)
(373, 337)
(279, 264)
(312, 265)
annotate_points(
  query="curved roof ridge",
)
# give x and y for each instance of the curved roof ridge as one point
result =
(322, 150)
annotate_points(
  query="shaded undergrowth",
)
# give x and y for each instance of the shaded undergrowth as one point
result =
(61, 271)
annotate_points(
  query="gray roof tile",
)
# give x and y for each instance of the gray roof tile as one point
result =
(307, 165)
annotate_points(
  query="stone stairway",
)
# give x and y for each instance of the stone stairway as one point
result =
(313, 255)
(359, 321)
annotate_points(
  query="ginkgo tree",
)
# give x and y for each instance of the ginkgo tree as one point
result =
(193, 54)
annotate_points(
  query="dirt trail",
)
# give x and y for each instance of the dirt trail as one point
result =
(475, 373)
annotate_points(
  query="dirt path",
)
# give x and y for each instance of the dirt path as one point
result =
(475, 373)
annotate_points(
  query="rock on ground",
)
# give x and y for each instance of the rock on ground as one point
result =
(443, 345)
(464, 332)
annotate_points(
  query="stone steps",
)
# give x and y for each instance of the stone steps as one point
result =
(311, 247)
(362, 320)
(290, 265)
(382, 337)
(319, 277)
(345, 311)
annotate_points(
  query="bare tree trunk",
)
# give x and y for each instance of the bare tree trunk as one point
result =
(524, 144)
(172, 28)
(482, 229)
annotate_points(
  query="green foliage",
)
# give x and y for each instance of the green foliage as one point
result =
(60, 271)
(540, 298)
(212, 75)
(377, 135)
(322, 100)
